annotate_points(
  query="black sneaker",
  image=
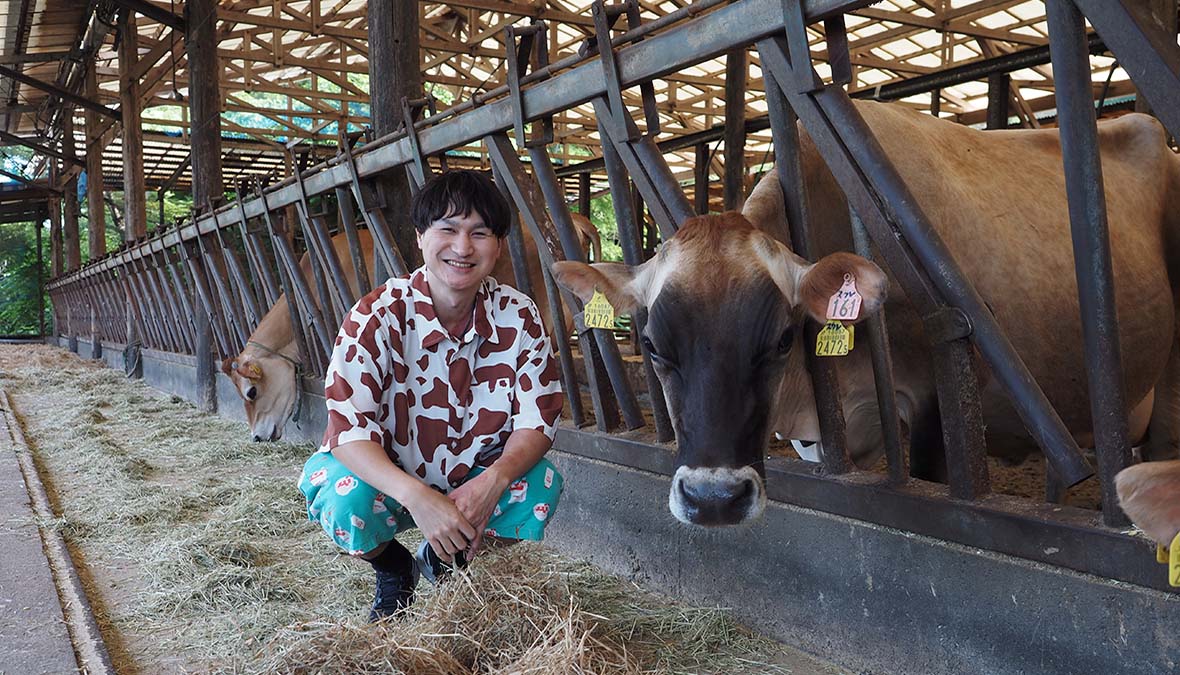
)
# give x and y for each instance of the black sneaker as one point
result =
(431, 567)
(397, 575)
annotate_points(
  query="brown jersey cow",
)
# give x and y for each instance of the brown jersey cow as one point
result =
(725, 301)
(264, 372)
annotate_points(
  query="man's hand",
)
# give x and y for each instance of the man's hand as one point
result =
(442, 524)
(476, 500)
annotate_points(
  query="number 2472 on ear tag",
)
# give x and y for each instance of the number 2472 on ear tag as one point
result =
(598, 312)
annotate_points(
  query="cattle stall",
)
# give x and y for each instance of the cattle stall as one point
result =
(875, 569)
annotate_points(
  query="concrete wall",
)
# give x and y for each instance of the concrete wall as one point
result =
(867, 597)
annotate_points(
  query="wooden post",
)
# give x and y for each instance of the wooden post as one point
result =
(70, 216)
(735, 128)
(205, 135)
(204, 73)
(56, 249)
(38, 224)
(94, 203)
(134, 191)
(395, 63)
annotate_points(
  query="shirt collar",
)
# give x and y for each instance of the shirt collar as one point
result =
(430, 330)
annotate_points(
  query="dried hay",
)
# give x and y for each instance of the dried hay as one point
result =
(198, 557)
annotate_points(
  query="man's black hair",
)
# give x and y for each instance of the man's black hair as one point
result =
(458, 193)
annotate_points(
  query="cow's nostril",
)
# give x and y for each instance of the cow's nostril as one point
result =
(257, 438)
(251, 393)
(747, 490)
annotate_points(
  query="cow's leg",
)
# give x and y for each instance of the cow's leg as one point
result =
(927, 451)
(1163, 431)
(865, 439)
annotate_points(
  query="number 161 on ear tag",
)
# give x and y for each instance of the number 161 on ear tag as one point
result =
(844, 305)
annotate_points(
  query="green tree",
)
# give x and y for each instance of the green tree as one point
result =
(18, 278)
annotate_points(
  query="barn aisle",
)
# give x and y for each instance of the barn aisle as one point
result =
(195, 554)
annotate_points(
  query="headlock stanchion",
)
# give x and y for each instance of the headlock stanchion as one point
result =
(228, 306)
(535, 42)
(197, 274)
(323, 254)
(256, 255)
(360, 269)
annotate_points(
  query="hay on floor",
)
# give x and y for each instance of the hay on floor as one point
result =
(198, 557)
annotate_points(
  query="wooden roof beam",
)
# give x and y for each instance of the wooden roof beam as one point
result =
(154, 12)
(59, 92)
(37, 147)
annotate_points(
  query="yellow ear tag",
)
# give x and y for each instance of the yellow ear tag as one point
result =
(833, 340)
(599, 313)
(851, 336)
(1174, 562)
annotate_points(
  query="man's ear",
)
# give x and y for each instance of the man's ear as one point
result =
(820, 281)
(613, 279)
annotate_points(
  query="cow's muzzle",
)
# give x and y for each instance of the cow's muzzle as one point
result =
(715, 497)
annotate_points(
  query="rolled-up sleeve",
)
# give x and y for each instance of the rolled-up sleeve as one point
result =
(359, 374)
(538, 399)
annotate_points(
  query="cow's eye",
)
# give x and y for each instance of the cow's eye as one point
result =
(785, 342)
(655, 355)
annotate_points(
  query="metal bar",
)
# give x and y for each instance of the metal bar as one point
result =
(824, 381)
(195, 263)
(149, 304)
(523, 191)
(327, 302)
(294, 281)
(998, 93)
(1091, 247)
(1150, 57)
(386, 245)
(183, 292)
(877, 332)
(348, 223)
(240, 282)
(633, 255)
(569, 375)
(700, 172)
(160, 285)
(316, 232)
(256, 254)
(830, 115)
(229, 306)
(560, 215)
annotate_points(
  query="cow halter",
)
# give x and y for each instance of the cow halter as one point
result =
(298, 375)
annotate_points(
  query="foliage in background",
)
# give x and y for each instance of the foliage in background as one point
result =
(18, 279)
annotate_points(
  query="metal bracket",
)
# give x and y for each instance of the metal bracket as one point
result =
(533, 46)
(604, 18)
(417, 170)
(947, 325)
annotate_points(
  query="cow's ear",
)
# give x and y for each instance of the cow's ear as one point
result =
(613, 279)
(245, 367)
(1150, 495)
(228, 365)
(819, 282)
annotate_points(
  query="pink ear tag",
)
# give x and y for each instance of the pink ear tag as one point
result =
(844, 305)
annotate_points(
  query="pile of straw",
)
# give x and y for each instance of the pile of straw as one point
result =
(195, 550)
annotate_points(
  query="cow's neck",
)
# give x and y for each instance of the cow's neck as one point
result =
(274, 331)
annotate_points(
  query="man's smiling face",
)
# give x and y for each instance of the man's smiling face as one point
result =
(459, 251)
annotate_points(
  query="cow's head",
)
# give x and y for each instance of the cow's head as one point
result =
(266, 383)
(725, 307)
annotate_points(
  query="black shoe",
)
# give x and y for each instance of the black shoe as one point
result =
(397, 575)
(431, 567)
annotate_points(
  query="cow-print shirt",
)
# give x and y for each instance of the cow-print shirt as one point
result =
(438, 404)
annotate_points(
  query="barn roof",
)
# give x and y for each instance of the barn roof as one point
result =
(298, 69)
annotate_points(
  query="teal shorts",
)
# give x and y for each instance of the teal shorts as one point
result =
(358, 518)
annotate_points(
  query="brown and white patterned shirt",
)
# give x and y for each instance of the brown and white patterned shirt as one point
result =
(438, 404)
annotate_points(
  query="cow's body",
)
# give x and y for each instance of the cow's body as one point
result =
(998, 201)
(264, 372)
